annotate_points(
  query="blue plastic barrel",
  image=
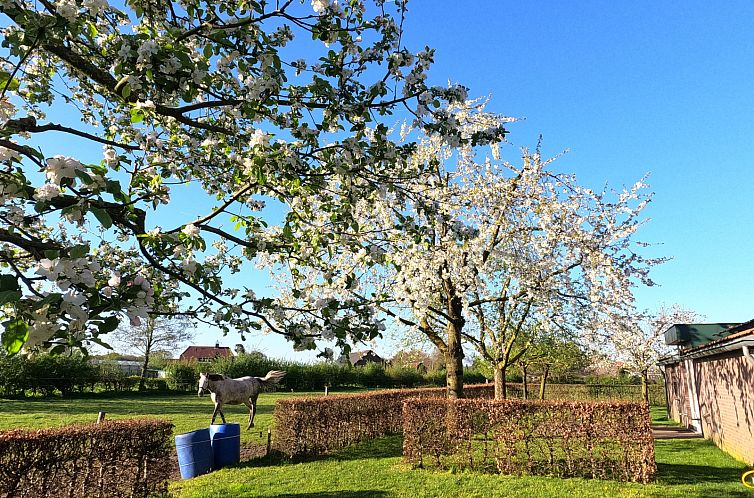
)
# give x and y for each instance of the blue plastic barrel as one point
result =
(194, 453)
(226, 444)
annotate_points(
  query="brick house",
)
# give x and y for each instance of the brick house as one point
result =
(205, 353)
(710, 383)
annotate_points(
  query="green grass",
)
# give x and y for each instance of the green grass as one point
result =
(690, 468)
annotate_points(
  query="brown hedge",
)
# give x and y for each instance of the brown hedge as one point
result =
(112, 459)
(605, 440)
(317, 425)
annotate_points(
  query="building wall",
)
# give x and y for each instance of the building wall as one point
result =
(676, 383)
(726, 402)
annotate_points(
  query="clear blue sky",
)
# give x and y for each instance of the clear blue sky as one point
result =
(665, 88)
(630, 88)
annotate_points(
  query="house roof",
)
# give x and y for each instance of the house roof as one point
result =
(737, 336)
(206, 352)
(356, 356)
(693, 335)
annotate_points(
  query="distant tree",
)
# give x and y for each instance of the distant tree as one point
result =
(155, 333)
(240, 349)
(556, 357)
(637, 338)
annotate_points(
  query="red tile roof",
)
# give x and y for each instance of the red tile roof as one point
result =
(198, 352)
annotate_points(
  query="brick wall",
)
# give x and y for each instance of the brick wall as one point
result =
(678, 393)
(726, 402)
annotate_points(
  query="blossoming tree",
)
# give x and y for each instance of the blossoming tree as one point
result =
(478, 234)
(637, 337)
(234, 103)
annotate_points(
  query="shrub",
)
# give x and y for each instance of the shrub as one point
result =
(111, 459)
(156, 384)
(317, 425)
(182, 376)
(564, 438)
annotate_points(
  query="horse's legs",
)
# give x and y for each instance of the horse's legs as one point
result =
(218, 409)
(252, 404)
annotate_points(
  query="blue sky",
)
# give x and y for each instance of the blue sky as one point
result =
(664, 88)
(629, 88)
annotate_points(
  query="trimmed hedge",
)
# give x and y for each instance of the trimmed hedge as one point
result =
(564, 438)
(112, 459)
(317, 425)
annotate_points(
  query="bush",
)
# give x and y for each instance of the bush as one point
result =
(111, 459)
(45, 374)
(563, 438)
(317, 425)
(182, 376)
(156, 384)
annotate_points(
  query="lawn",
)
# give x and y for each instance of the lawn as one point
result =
(687, 468)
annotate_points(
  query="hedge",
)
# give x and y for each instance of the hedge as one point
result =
(605, 440)
(318, 425)
(112, 459)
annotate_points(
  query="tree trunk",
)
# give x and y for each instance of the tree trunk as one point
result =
(645, 386)
(454, 364)
(144, 370)
(501, 388)
(526, 384)
(454, 353)
(544, 382)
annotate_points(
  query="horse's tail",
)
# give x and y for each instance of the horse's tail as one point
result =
(272, 378)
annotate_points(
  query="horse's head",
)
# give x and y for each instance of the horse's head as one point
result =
(205, 379)
(203, 383)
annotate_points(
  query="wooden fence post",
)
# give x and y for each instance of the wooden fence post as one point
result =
(100, 417)
(269, 440)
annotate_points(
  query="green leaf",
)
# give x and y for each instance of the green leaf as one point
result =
(6, 79)
(84, 177)
(9, 296)
(103, 217)
(15, 335)
(9, 283)
(111, 323)
(100, 342)
(91, 30)
(79, 251)
(137, 115)
(50, 254)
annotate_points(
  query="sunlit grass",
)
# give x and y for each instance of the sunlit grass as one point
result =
(688, 468)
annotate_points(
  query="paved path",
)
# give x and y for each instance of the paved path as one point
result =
(660, 432)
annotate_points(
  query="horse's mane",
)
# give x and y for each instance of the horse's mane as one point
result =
(215, 377)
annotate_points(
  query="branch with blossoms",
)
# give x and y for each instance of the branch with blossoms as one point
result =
(212, 100)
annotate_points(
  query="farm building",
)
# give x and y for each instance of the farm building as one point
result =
(710, 383)
(361, 358)
(205, 353)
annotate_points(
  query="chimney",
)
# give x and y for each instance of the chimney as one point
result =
(217, 344)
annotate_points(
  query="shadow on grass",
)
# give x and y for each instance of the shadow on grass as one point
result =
(385, 447)
(330, 494)
(675, 473)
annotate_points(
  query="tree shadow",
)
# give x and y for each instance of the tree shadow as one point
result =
(331, 494)
(674, 474)
(384, 447)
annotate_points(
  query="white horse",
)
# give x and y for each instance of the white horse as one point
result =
(224, 390)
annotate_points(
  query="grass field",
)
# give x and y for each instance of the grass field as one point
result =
(687, 468)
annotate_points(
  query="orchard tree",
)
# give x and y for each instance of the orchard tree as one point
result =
(478, 234)
(156, 333)
(637, 338)
(231, 104)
